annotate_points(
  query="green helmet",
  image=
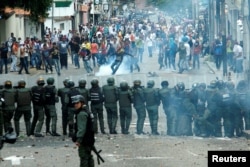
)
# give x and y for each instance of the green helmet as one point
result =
(111, 81)
(78, 98)
(213, 84)
(8, 84)
(181, 86)
(124, 85)
(82, 83)
(151, 83)
(50, 81)
(94, 82)
(202, 85)
(242, 85)
(71, 84)
(230, 85)
(164, 83)
(65, 82)
(21, 84)
(137, 82)
(40, 82)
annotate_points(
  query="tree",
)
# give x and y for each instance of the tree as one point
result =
(38, 8)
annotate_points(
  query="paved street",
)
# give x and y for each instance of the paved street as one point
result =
(120, 150)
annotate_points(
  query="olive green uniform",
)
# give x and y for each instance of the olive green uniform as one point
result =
(125, 98)
(24, 99)
(9, 95)
(85, 136)
(152, 100)
(164, 94)
(62, 92)
(38, 99)
(51, 99)
(110, 93)
(139, 105)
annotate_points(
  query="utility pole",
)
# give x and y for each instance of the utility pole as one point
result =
(223, 35)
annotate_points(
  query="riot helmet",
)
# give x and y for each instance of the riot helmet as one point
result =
(150, 83)
(181, 86)
(124, 85)
(195, 85)
(94, 82)
(213, 84)
(50, 81)
(40, 82)
(202, 85)
(164, 83)
(8, 84)
(230, 85)
(242, 85)
(82, 83)
(111, 81)
(21, 84)
(71, 84)
(65, 82)
(220, 84)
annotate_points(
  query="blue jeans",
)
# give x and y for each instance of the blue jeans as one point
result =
(196, 59)
(76, 60)
(57, 65)
(140, 54)
(13, 64)
(33, 60)
(37, 59)
(172, 61)
(150, 51)
(87, 67)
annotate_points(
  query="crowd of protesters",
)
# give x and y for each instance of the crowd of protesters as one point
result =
(108, 43)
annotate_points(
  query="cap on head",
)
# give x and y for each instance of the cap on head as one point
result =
(77, 99)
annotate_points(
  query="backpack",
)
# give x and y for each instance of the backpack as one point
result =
(218, 50)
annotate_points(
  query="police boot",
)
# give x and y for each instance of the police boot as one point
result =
(17, 128)
(48, 132)
(71, 130)
(54, 133)
(102, 127)
(1, 142)
(28, 128)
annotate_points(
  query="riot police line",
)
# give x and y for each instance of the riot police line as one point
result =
(218, 109)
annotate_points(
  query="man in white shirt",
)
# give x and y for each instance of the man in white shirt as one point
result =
(238, 58)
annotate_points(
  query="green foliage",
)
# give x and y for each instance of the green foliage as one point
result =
(37, 8)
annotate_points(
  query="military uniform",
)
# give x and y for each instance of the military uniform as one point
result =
(62, 92)
(71, 110)
(96, 99)
(164, 94)
(9, 95)
(51, 99)
(152, 100)
(24, 99)
(110, 92)
(139, 105)
(84, 132)
(83, 90)
(38, 99)
(125, 98)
